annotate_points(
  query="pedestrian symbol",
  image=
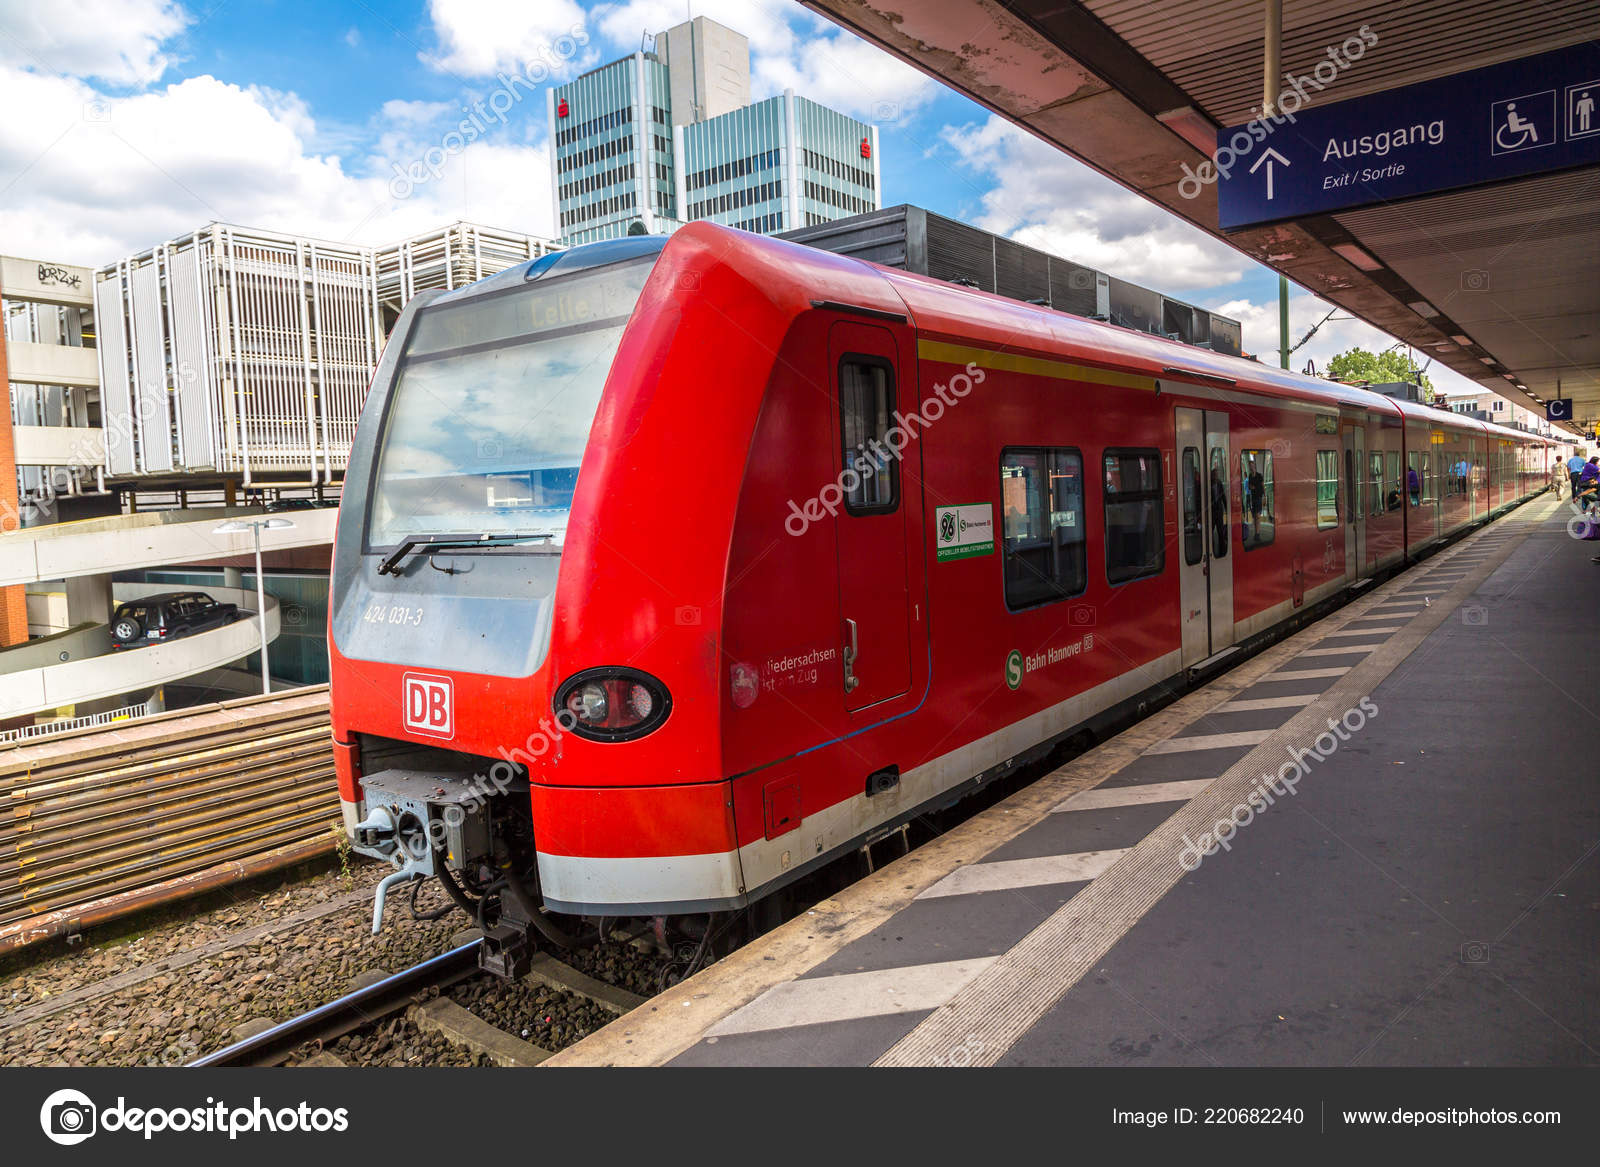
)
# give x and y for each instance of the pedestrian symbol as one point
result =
(1523, 123)
(1583, 109)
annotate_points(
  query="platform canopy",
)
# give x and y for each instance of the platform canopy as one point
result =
(1482, 250)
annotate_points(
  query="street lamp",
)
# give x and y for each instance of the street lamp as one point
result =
(239, 526)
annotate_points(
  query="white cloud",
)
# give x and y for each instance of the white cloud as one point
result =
(850, 75)
(118, 41)
(1259, 322)
(416, 113)
(1049, 200)
(789, 49)
(87, 179)
(479, 38)
(765, 23)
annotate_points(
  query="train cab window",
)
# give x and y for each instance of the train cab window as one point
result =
(866, 415)
(1374, 484)
(1255, 479)
(1327, 489)
(1194, 537)
(491, 407)
(1392, 494)
(1041, 493)
(1220, 535)
(1134, 520)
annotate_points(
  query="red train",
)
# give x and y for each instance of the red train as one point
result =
(669, 570)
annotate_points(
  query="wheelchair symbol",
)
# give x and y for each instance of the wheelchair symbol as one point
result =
(1524, 123)
(1520, 130)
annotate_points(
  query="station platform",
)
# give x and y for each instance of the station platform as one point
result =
(1409, 877)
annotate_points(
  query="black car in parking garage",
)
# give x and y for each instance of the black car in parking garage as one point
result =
(167, 616)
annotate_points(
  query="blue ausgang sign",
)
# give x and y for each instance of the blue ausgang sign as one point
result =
(1522, 117)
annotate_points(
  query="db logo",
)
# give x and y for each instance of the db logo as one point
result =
(430, 705)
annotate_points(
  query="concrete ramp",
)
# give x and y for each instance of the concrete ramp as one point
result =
(131, 542)
(94, 678)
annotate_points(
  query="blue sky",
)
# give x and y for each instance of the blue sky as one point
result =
(149, 118)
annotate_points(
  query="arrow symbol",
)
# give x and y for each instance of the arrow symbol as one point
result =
(1267, 158)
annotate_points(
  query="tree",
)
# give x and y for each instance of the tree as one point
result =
(1393, 364)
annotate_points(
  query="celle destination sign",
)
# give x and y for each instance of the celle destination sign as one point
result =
(1504, 121)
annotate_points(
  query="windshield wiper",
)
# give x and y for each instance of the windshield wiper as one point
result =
(391, 565)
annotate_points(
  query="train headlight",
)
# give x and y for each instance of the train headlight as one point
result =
(588, 704)
(612, 704)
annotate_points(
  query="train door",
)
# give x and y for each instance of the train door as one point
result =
(1205, 581)
(1355, 511)
(874, 594)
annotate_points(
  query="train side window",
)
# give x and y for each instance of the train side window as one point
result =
(1255, 477)
(1194, 538)
(1393, 497)
(866, 415)
(1134, 520)
(1375, 484)
(1220, 535)
(1416, 476)
(1327, 489)
(1041, 499)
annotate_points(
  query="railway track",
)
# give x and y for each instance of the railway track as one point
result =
(362, 1006)
(407, 992)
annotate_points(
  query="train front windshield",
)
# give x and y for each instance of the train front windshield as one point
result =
(493, 404)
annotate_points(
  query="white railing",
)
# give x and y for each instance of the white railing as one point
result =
(62, 725)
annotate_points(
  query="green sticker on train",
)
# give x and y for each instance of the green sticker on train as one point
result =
(961, 532)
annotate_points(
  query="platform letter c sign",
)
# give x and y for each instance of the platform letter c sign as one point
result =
(430, 705)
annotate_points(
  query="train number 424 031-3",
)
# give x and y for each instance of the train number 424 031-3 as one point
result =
(392, 614)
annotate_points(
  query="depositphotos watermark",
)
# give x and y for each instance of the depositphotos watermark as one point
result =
(1282, 784)
(873, 456)
(1291, 99)
(1578, 524)
(69, 1117)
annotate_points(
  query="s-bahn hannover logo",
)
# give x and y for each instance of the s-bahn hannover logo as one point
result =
(430, 704)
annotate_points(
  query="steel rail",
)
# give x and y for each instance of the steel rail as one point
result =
(350, 1012)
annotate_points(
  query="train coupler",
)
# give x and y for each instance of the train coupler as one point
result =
(509, 946)
(506, 951)
(418, 822)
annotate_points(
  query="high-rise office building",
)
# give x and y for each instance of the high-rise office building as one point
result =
(779, 164)
(669, 135)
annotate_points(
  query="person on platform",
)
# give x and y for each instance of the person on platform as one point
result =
(1575, 466)
(1588, 485)
(1414, 486)
(1586, 496)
